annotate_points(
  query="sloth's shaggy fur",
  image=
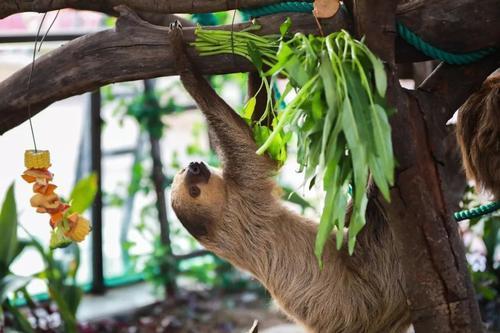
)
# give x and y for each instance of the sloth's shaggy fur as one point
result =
(237, 215)
(478, 134)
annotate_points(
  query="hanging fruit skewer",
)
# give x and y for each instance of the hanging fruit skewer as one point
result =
(67, 226)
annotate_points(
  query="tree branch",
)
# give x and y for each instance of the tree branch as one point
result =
(134, 50)
(9, 7)
(479, 21)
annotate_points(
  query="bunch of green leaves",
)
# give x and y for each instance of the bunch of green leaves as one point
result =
(338, 113)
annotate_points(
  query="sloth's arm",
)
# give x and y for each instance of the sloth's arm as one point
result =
(234, 141)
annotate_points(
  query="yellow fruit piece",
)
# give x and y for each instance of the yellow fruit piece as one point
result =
(39, 159)
(79, 227)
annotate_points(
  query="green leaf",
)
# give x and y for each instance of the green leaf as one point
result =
(10, 284)
(66, 312)
(360, 106)
(8, 227)
(72, 295)
(351, 131)
(379, 71)
(329, 82)
(296, 71)
(249, 108)
(255, 55)
(58, 240)
(294, 197)
(284, 54)
(325, 227)
(383, 142)
(285, 26)
(358, 221)
(379, 177)
(83, 194)
(317, 106)
(341, 205)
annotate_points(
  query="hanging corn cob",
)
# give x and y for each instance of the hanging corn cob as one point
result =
(66, 226)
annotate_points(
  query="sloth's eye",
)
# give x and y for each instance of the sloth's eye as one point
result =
(194, 191)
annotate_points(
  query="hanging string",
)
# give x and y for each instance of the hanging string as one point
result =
(232, 33)
(33, 68)
(48, 30)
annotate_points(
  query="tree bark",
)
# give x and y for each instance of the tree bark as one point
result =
(431, 252)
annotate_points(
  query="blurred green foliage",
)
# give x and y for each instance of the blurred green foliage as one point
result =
(10, 248)
(483, 256)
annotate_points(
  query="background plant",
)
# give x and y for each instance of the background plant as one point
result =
(483, 249)
(10, 248)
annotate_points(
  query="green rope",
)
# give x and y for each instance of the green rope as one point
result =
(450, 58)
(409, 36)
(287, 6)
(477, 211)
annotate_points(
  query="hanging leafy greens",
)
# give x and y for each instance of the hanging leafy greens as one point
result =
(338, 113)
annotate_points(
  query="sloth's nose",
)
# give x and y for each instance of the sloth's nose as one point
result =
(195, 168)
(198, 172)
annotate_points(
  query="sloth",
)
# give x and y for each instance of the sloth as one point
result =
(478, 135)
(237, 214)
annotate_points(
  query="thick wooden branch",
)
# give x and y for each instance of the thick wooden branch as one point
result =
(454, 25)
(9, 7)
(134, 50)
(158, 18)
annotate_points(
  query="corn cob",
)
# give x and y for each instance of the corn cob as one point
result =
(37, 159)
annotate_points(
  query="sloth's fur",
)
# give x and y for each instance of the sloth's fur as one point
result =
(478, 134)
(237, 215)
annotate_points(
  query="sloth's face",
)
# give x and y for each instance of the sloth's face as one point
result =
(198, 196)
